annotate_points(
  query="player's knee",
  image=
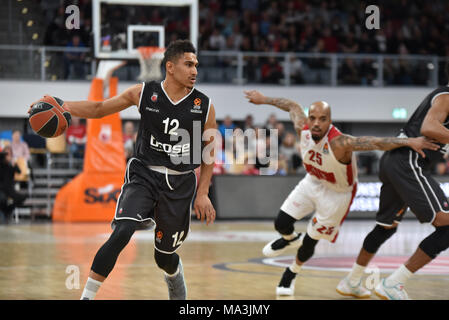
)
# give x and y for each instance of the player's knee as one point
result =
(441, 219)
(436, 242)
(284, 223)
(377, 237)
(307, 248)
(123, 232)
(167, 262)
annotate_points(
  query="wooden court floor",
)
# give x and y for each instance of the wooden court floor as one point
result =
(222, 261)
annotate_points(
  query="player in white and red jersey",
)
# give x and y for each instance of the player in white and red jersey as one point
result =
(328, 187)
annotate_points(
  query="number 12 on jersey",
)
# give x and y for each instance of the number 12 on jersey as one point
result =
(174, 123)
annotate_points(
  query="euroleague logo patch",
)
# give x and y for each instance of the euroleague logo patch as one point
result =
(159, 235)
(196, 106)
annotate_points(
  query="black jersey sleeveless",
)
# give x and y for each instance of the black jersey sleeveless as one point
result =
(413, 127)
(170, 133)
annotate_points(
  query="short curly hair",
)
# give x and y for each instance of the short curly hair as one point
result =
(177, 48)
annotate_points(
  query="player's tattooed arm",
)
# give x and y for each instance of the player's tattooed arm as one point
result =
(344, 144)
(297, 114)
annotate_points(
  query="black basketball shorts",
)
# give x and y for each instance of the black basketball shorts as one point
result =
(165, 199)
(406, 183)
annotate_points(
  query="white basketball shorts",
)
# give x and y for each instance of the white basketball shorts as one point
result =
(330, 207)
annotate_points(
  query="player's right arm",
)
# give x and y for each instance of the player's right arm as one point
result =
(297, 114)
(98, 109)
(432, 126)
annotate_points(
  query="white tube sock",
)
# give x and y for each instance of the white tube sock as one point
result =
(90, 289)
(356, 274)
(401, 275)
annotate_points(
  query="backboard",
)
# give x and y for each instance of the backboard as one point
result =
(121, 26)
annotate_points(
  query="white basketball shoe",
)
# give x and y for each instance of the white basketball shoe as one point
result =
(396, 292)
(346, 289)
(279, 245)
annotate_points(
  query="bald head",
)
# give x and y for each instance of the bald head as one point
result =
(319, 119)
(321, 107)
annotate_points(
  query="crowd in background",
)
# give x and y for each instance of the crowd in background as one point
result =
(311, 26)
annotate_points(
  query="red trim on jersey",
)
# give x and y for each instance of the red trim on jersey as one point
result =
(354, 191)
(349, 174)
(333, 133)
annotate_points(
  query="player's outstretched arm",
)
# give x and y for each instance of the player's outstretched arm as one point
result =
(346, 144)
(99, 109)
(297, 114)
(432, 126)
(203, 206)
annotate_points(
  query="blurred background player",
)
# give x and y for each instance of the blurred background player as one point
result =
(160, 182)
(328, 187)
(407, 183)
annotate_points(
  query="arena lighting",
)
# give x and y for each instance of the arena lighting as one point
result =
(399, 113)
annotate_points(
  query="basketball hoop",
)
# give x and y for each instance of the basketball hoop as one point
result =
(150, 59)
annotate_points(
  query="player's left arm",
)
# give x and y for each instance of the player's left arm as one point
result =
(343, 145)
(203, 206)
(295, 110)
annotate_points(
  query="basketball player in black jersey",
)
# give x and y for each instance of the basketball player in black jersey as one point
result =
(159, 180)
(407, 183)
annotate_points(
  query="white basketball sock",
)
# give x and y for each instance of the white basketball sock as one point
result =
(401, 275)
(356, 274)
(290, 236)
(294, 267)
(90, 289)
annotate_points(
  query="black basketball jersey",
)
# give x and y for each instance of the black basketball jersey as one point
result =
(413, 126)
(170, 134)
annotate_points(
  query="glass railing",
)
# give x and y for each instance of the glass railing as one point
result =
(236, 67)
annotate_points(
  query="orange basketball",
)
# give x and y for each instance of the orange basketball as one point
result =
(48, 118)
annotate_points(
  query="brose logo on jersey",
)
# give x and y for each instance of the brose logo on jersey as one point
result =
(172, 150)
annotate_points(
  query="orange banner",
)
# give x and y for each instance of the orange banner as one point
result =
(92, 195)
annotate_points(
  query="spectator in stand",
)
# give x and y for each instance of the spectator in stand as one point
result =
(271, 71)
(74, 61)
(19, 147)
(349, 73)
(76, 138)
(249, 122)
(224, 128)
(9, 197)
(249, 169)
(281, 132)
(289, 152)
(129, 139)
(272, 122)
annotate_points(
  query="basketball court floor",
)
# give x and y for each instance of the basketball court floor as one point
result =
(222, 261)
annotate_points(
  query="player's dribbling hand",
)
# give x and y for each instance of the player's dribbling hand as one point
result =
(255, 96)
(31, 106)
(421, 143)
(204, 209)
